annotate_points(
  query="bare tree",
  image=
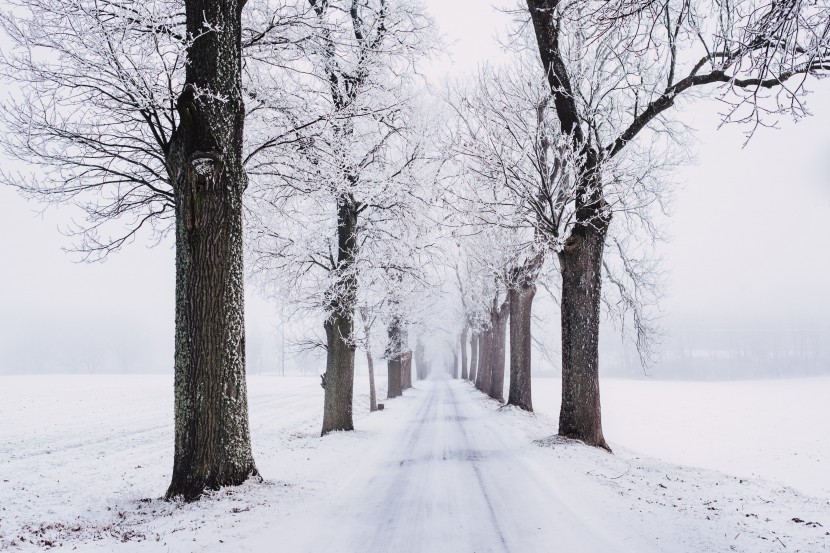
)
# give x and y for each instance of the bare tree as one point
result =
(352, 180)
(375, 30)
(206, 162)
(466, 325)
(473, 356)
(462, 345)
(134, 112)
(395, 356)
(368, 322)
(614, 70)
(505, 139)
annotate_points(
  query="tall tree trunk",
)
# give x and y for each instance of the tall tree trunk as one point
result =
(393, 368)
(484, 357)
(373, 398)
(498, 349)
(482, 339)
(581, 259)
(473, 356)
(521, 310)
(463, 344)
(212, 436)
(394, 360)
(420, 360)
(581, 265)
(455, 363)
(370, 362)
(406, 370)
(406, 360)
(339, 378)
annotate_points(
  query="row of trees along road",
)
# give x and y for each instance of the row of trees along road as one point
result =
(301, 131)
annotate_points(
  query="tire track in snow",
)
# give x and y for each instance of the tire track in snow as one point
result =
(425, 504)
(475, 464)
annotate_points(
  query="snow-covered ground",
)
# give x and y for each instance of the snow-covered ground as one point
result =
(778, 430)
(83, 460)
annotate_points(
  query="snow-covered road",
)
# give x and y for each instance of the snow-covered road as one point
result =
(84, 459)
(451, 477)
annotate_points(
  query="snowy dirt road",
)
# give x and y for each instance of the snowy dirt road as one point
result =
(454, 480)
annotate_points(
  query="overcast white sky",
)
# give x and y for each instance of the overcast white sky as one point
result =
(751, 244)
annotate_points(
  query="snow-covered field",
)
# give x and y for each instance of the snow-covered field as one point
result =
(778, 430)
(83, 460)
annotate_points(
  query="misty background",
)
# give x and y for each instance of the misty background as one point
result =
(747, 261)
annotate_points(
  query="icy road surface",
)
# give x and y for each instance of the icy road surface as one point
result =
(456, 479)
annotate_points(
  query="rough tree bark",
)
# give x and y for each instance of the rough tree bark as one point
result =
(406, 363)
(521, 304)
(373, 398)
(393, 371)
(394, 360)
(483, 376)
(212, 436)
(498, 320)
(520, 296)
(339, 377)
(581, 260)
(581, 265)
(473, 356)
(463, 345)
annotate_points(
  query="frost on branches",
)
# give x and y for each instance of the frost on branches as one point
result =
(326, 217)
